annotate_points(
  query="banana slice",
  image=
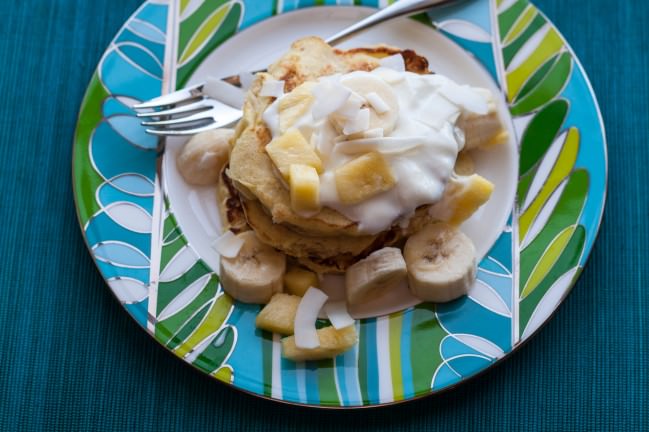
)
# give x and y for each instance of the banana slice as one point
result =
(368, 91)
(201, 159)
(441, 263)
(372, 276)
(255, 274)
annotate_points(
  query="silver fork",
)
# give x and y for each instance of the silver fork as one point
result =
(191, 110)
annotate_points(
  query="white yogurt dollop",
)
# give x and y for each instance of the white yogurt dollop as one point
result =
(421, 149)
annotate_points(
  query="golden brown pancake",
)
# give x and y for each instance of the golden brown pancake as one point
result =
(251, 194)
(323, 254)
(230, 209)
(251, 169)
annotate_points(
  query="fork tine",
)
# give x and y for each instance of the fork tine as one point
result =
(203, 115)
(179, 96)
(201, 104)
(183, 132)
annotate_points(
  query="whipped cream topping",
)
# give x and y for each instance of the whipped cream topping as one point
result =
(408, 118)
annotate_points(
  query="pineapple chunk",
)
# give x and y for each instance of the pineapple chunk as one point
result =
(462, 197)
(297, 280)
(363, 177)
(332, 343)
(305, 188)
(464, 164)
(278, 316)
(294, 105)
(292, 148)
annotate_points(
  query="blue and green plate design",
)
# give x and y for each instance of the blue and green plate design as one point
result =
(176, 297)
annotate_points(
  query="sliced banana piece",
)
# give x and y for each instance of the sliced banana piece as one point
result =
(372, 276)
(255, 274)
(202, 157)
(371, 92)
(441, 263)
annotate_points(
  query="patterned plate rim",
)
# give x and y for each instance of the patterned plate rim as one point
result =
(116, 205)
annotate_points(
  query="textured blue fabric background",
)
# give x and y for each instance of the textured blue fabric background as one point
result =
(71, 358)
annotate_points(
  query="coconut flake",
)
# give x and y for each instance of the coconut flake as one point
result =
(224, 92)
(330, 96)
(271, 118)
(272, 88)
(377, 103)
(373, 133)
(385, 145)
(306, 335)
(338, 315)
(246, 78)
(438, 110)
(465, 97)
(322, 145)
(359, 123)
(350, 108)
(394, 62)
(228, 245)
(460, 137)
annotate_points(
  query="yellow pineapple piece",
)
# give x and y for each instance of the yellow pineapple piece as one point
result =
(292, 148)
(462, 197)
(304, 185)
(297, 280)
(278, 316)
(464, 164)
(363, 177)
(294, 105)
(332, 343)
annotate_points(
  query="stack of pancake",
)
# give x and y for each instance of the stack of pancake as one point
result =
(252, 194)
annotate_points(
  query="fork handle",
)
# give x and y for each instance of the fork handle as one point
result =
(395, 10)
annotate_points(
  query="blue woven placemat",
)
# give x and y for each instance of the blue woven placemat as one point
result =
(72, 359)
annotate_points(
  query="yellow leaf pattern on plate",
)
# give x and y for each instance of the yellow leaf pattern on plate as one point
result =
(550, 45)
(548, 259)
(562, 167)
(520, 25)
(213, 320)
(203, 33)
